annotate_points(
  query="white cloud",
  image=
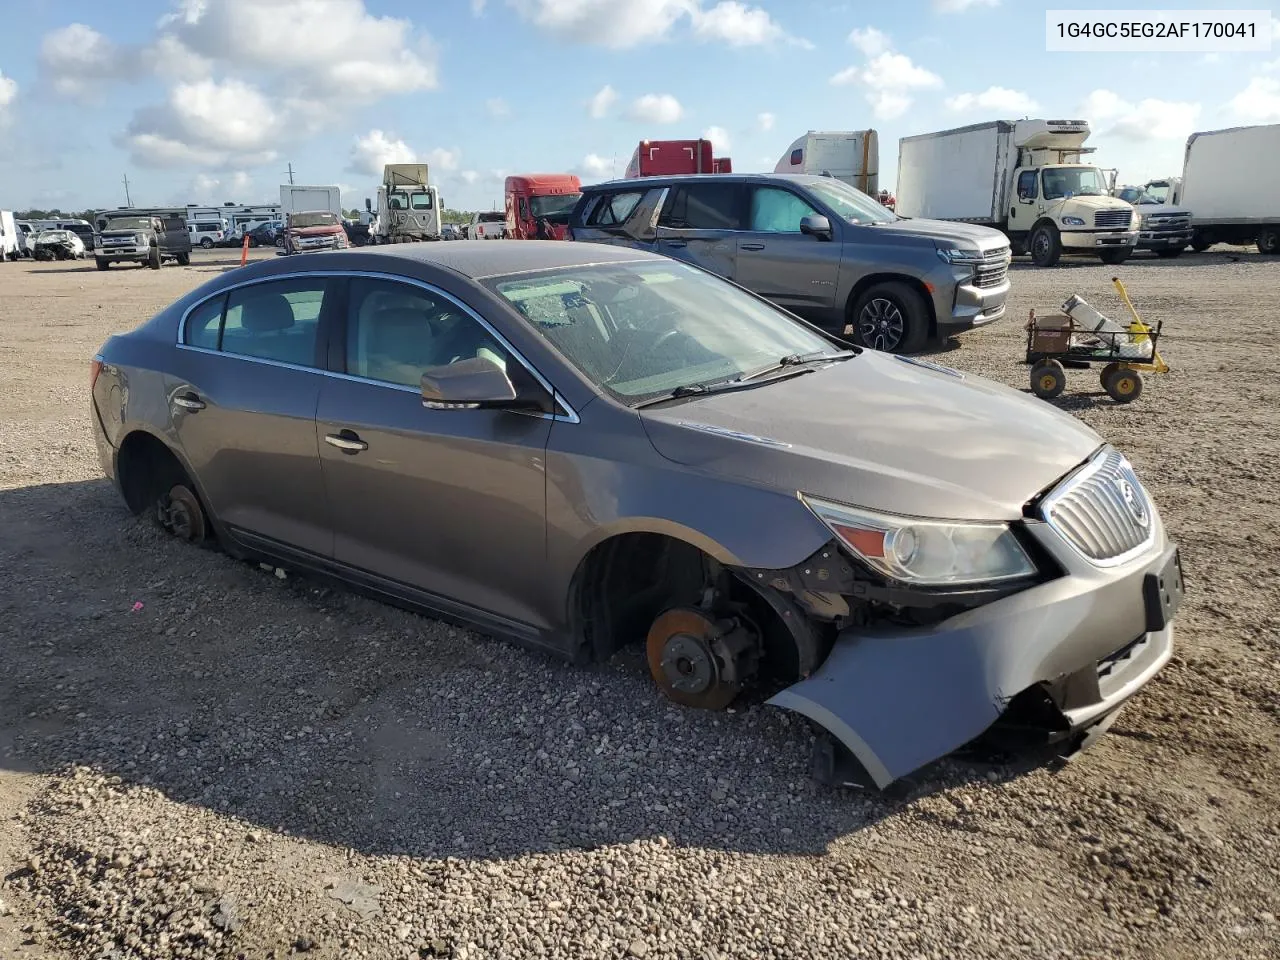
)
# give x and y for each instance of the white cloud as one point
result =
(497, 108)
(442, 159)
(596, 167)
(1259, 101)
(477, 7)
(469, 176)
(765, 121)
(78, 59)
(719, 138)
(602, 102)
(616, 24)
(1148, 119)
(210, 190)
(206, 122)
(870, 41)
(738, 25)
(993, 100)
(656, 108)
(959, 6)
(886, 104)
(376, 149)
(8, 93)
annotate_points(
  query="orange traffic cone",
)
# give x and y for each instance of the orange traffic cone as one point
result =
(244, 251)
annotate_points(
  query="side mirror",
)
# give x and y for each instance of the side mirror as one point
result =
(815, 225)
(368, 204)
(467, 385)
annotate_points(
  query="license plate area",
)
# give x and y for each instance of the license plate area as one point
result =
(1162, 593)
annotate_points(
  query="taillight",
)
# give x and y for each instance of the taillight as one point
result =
(95, 368)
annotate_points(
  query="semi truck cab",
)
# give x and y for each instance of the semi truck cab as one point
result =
(538, 205)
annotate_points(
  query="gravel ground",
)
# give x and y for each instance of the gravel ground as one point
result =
(201, 759)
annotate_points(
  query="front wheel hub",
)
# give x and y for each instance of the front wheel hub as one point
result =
(699, 661)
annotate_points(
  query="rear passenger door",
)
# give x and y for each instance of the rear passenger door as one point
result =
(242, 399)
(699, 224)
(777, 261)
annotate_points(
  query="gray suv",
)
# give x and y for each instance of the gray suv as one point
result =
(814, 246)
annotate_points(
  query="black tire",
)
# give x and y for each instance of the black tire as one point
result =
(279, 241)
(1201, 242)
(1045, 245)
(1115, 256)
(1123, 385)
(155, 259)
(184, 259)
(1169, 253)
(1268, 241)
(1018, 248)
(103, 264)
(1048, 379)
(206, 243)
(1107, 372)
(892, 317)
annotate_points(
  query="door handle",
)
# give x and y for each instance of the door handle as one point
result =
(676, 243)
(753, 246)
(346, 441)
(188, 401)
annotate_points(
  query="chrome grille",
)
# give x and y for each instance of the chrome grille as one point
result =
(1113, 219)
(993, 269)
(1102, 511)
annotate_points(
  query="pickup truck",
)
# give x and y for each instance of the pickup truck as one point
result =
(491, 225)
(146, 239)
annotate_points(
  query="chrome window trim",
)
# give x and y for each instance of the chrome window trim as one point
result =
(570, 415)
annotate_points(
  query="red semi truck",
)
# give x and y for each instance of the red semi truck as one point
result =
(659, 158)
(540, 198)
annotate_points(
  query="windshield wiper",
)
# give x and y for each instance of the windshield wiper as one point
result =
(799, 360)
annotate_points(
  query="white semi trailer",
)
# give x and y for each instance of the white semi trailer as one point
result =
(1231, 179)
(1024, 177)
(849, 155)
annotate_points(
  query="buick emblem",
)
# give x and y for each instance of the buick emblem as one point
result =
(1132, 501)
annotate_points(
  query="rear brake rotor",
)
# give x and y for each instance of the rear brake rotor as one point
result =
(700, 662)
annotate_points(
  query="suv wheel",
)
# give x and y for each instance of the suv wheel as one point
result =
(891, 317)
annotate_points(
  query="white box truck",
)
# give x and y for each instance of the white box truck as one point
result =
(295, 198)
(849, 155)
(1023, 177)
(1231, 179)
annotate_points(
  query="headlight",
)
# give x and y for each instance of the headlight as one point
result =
(139, 238)
(1073, 221)
(957, 255)
(926, 552)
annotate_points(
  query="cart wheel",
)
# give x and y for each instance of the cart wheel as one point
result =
(1124, 385)
(1048, 379)
(1107, 371)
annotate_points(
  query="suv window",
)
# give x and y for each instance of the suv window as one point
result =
(277, 320)
(396, 330)
(1027, 185)
(614, 209)
(702, 206)
(777, 211)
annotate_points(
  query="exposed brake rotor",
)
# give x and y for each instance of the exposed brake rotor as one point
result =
(699, 661)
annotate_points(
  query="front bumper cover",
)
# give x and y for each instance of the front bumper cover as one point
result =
(899, 699)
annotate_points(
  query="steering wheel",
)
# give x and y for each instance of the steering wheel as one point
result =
(664, 337)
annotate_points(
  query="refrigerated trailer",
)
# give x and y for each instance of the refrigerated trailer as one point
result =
(296, 198)
(849, 155)
(1023, 177)
(1231, 179)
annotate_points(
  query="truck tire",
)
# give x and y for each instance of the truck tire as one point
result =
(102, 264)
(206, 243)
(154, 260)
(184, 259)
(1200, 242)
(1046, 245)
(892, 317)
(1115, 256)
(1269, 241)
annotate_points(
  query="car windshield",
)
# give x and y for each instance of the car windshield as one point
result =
(853, 205)
(643, 330)
(560, 205)
(321, 219)
(1062, 182)
(128, 223)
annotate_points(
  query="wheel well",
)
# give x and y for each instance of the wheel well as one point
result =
(624, 582)
(867, 282)
(147, 468)
(1039, 223)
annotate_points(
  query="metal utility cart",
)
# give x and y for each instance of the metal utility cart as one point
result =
(1058, 341)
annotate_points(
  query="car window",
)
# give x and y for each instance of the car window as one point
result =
(777, 211)
(643, 329)
(395, 331)
(702, 206)
(614, 209)
(204, 324)
(277, 320)
(1027, 185)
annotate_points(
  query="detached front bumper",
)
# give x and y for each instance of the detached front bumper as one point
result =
(1086, 642)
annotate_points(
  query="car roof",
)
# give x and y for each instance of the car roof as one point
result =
(487, 258)
(672, 179)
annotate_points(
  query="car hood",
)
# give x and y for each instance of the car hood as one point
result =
(881, 432)
(321, 231)
(1093, 203)
(1156, 209)
(961, 234)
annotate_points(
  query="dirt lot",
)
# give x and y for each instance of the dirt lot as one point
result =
(199, 759)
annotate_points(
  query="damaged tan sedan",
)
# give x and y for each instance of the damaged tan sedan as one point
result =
(582, 447)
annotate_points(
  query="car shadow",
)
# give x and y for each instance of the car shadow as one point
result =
(312, 711)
